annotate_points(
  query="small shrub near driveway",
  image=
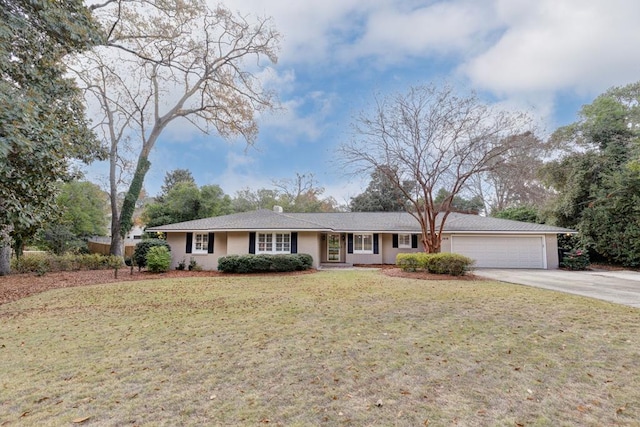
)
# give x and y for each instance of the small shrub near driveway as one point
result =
(158, 259)
(439, 263)
(576, 259)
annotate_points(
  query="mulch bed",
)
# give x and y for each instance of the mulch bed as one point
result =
(16, 286)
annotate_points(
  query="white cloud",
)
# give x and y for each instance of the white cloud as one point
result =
(302, 117)
(394, 32)
(550, 45)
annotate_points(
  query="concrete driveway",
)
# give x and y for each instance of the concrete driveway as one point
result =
(621, 287)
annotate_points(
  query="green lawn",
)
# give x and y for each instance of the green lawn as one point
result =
(331, 348)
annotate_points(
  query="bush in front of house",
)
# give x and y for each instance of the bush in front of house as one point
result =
(408, 262)
(158, 259)
(140, 252)
(575, 259)
(438, 263)
(306, 261)
(264, 263)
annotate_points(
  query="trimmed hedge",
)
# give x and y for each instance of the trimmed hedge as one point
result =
(42, 263)
(140, 252)
(264, 263)
(438, 263)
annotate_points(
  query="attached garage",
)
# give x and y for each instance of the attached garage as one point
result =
(502, 251)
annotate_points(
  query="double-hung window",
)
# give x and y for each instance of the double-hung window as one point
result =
(363, 243)
(273, 243)
(404, 240)
(200, 243)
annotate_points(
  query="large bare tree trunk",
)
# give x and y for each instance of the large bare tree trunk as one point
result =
(5, 250)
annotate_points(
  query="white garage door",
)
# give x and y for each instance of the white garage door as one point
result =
(501, 251)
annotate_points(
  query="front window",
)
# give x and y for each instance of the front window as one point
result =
(404, 240)
(200, 243)
(363, 243)
(274, 243)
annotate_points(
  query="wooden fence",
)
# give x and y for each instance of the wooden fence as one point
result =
(105, 248)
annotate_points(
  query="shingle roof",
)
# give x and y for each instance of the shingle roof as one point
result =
(351, 222)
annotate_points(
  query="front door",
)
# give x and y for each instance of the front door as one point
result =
(333, 248)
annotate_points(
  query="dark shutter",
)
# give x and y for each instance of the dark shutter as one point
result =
(294, 243)
(189, 246)
(376, 246)
(414, 241)
(252, 242)
(395, 240)
(350, 243)
(210, 243)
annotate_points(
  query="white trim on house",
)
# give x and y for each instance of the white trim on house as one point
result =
(273, 242)
(404, 241)
(200, 243)
(362, 243)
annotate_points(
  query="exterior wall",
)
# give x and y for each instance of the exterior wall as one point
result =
(178, 242)
(445, 245)
(309, 243)
(237, 242)
(364, 258)
(551, 245)
(233, 243)
(389, 253)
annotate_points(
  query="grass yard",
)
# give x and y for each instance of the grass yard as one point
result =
(331, 348)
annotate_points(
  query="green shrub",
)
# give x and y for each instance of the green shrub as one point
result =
(413, 261)
(286, 263)
(140, 252)
(229, 263)
(38, 263)
(306, 261)
(448, 263)
(42, 263)
(264, 263)
(438, 263)
(576, 259)
(158, 259)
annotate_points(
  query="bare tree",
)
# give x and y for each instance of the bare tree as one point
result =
(436, 139)
(303, 194)
(165, 62)
(516, 181)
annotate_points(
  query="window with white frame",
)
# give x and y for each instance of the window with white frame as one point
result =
(363, 243)
(273, 243)
(404, 240)
(200, 243)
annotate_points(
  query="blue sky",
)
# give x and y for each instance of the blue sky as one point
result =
(547, 57)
